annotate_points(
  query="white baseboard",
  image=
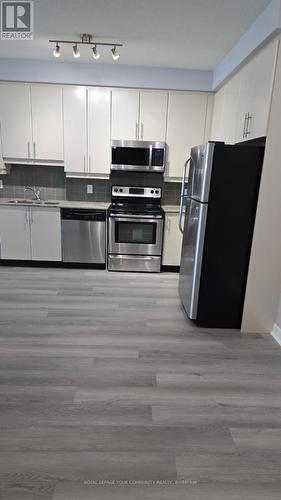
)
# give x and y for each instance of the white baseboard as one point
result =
(276, 333)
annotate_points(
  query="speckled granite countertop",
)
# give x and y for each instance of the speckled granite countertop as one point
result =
(72, 204)
(55, 203)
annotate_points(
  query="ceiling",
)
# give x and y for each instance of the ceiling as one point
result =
(177, 34)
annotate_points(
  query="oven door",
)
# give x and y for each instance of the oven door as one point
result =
(130, 235)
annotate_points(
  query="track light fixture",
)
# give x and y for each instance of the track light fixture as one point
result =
(115, 55)
(86, 39)
(96, 54)
(76, 52)
(56, 52)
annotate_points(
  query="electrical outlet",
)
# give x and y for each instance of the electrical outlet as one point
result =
(90, 189)
(1, 184)
(185, 192)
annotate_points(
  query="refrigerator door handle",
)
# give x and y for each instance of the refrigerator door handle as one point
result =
(182, 194)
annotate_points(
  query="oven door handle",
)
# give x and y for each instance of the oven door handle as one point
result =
(135, 217)
(119, 218)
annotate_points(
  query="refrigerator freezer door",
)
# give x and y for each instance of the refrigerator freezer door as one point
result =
(200, 172)
(191, 257)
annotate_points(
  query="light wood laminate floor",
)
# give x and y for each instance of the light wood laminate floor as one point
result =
(108, 392)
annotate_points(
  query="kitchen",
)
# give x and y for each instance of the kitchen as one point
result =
(125, 261)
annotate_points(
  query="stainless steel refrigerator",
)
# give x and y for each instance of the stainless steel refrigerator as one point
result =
(218, 203)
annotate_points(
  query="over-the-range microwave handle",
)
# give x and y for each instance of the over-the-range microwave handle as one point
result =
(182, 193)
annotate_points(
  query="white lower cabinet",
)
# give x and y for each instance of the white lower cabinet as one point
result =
(45, 225)
(15, 233)
(172, 240)
(30, 233)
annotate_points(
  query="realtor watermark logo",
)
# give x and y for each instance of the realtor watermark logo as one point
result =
(17, 20)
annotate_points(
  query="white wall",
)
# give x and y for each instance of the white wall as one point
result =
(278, 318)
(265, 27)
(264, 278)
(76, 73)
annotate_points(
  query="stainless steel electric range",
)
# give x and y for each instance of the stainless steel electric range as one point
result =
(135, 229)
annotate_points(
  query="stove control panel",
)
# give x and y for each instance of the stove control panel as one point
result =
(136, 192)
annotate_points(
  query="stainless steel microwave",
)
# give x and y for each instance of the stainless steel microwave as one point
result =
(140, 156)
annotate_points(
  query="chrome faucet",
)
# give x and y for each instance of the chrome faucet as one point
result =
(37, 193)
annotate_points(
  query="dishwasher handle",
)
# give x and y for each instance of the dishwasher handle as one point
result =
(83, 214)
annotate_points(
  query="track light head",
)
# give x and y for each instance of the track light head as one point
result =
(56, 51)
(96, 54)
(76, 52)
(114, 53)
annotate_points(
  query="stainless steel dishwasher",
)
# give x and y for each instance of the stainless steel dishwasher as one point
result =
(83, 235)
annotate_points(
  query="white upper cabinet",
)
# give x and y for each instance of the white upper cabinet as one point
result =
(87, 144)
(255, 94)
(225, 111)
(99, 141)
(217, 123)
(125, 115)
(15, 117)
(46, 102)
(242, 105)
(75, 129)
(153, 116)
(31, 122)
(186, 127)
(245, 102)
(139, 115)
(264, 71)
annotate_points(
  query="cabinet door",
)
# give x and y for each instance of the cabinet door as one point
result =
(153, 116)
(217, 132)
(245, 100)
(185, 128)
(15, 233)
(264, 70)
(45, 226)
(172, 241)
(125, 115)
(47, 123)
(99, 131)
(75, 129)
(230, 108)
(15, 117)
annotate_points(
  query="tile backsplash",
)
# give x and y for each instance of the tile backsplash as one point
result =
(50, 179)
(55, 185)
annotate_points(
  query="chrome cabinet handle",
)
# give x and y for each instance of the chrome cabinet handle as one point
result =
(26, 215)
(244, 129)
(34, 151)
(31, 215)
(182, 194)
(90, 162)
(141, 131)
(84, 163)
(249, 118)
(137, 130)
(28, 150)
